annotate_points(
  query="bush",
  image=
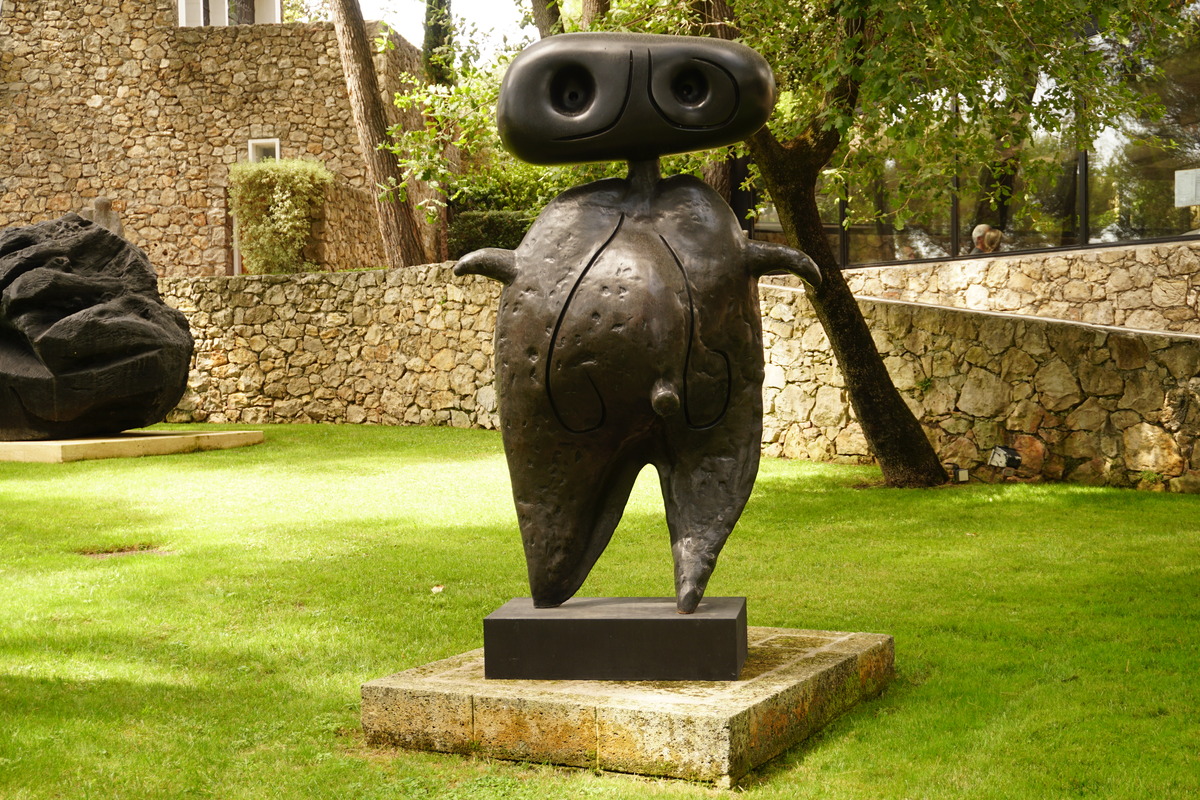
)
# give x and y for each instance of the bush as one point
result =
(274, 203)
(474, 230)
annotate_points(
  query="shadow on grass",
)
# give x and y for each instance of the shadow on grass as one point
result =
(1029, 620)
(33, 526)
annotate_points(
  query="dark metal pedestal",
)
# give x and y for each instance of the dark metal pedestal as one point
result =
(619, 639)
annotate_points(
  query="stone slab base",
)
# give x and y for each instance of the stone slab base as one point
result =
(793, 683)
(130, 444)
(616, 638)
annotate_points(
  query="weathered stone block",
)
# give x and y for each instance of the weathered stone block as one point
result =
(133, 444)
(1129, 352)
(984, 394)
(1149, 448)
(1100, 380)
(794, 682)
(523, 729)
(1058, 386)
(1143, 393)
(1089, 416)
(1182, 360)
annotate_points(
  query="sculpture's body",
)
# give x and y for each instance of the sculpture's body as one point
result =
(628, 332)
(87, 346)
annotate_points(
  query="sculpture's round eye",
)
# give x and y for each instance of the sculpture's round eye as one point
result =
(690, 87)
(572, 90)
(693, 93)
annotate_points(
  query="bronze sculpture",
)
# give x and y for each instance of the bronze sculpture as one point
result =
(629, 330)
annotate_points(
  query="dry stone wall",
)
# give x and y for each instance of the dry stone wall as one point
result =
(1152, 287)
(111, 97)
(1079, 402)
(390, 347)
(345, 234)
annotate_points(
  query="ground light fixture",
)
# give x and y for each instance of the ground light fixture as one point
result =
(1004, 457)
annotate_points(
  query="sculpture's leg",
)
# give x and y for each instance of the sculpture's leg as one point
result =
(704, 493)
(568, 509)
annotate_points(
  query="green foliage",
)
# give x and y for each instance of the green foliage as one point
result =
(939, 89)
(1046, 637)
(460, 120)
(305, 10)
(474, 230)
(925, 90)
(935, 88)
(274, 203)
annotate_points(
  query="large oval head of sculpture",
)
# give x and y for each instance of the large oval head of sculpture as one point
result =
(605, 97)
(87, 346)
(628, 332)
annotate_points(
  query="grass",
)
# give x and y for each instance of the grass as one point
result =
(199, 626)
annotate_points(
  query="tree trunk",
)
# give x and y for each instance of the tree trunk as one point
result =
(791, 172)
(546, 17)
(896, 437)
(435, 50)
(714, 18)
(397, 222)
(592, 11)
(241, 12)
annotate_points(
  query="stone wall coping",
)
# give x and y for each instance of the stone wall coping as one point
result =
(1006, 315)
(1026, 318)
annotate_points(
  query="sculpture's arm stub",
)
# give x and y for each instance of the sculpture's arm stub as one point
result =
(490, 262)
(766, 258)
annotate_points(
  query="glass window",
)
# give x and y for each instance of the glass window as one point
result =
(881, 232)
(1139, 180)
(263, 149)
(1139, 190)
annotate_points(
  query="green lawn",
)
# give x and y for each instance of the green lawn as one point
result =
(1047, 637)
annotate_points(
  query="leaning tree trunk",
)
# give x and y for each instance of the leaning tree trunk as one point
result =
(397, 222)
(591, 11)
(790, 172)
(715, 18)
(547, 17)
(896, 437)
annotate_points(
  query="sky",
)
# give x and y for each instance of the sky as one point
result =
(408, 16)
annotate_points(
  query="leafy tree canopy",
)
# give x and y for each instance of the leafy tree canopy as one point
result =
(932, 86)
(924, 88)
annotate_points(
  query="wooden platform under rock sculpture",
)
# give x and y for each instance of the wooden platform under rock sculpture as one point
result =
(130, 444)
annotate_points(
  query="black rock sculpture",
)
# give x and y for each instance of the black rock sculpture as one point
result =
(629, 331)
(87, 347)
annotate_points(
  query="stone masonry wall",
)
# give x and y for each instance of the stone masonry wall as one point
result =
(410, 346)
(346, 232)
(111, 97)
(1146, 287)
(1079, 402)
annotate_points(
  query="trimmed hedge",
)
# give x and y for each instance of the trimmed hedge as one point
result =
(475, 230)
(274, 203)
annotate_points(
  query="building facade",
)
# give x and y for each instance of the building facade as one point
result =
(140, 101)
